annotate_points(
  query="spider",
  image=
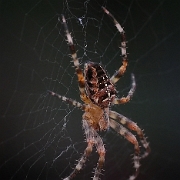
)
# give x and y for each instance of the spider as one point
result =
(98, 93)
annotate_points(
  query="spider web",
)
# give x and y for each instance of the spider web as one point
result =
(41, 137)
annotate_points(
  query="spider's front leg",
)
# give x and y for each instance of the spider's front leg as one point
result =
(89, 132)
(132, 139)
(133, 127)
(79, 72)
(92, 138)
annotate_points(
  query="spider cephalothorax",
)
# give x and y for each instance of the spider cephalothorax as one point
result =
(98, 93)
(98, 85)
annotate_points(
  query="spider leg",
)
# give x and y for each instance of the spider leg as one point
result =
(130, 93)
(132, 139)
(93, 137)
(79, 72)
(134, 127)
(101, 151)
(68, 100)
(89, 132)
(118, 74)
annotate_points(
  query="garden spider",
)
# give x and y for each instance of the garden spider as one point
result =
(98, 93)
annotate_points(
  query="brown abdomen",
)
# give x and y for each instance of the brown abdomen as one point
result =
(98, 86)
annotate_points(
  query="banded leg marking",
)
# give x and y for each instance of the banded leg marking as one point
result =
(101, 151)
(134, 127)
(68, 100)
(132, 139)
(130, 93)
(89, 132)
(79, 72)
(118, 74)
(93, 136)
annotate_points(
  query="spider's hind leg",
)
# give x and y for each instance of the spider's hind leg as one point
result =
(118, 74)
(79, 72)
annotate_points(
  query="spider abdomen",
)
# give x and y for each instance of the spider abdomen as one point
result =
(98, 85)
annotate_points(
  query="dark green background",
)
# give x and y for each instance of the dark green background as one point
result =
(33, 57)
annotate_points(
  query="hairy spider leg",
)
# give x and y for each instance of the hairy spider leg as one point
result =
(132, 139)
(79, 72)
(101, 151)
(130, 93)
(89, 132)
(99, 146)
(134, 127)
(118, 74)
(92, 138)
(68, 100)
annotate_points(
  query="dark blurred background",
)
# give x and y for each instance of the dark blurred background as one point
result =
(40, 136)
